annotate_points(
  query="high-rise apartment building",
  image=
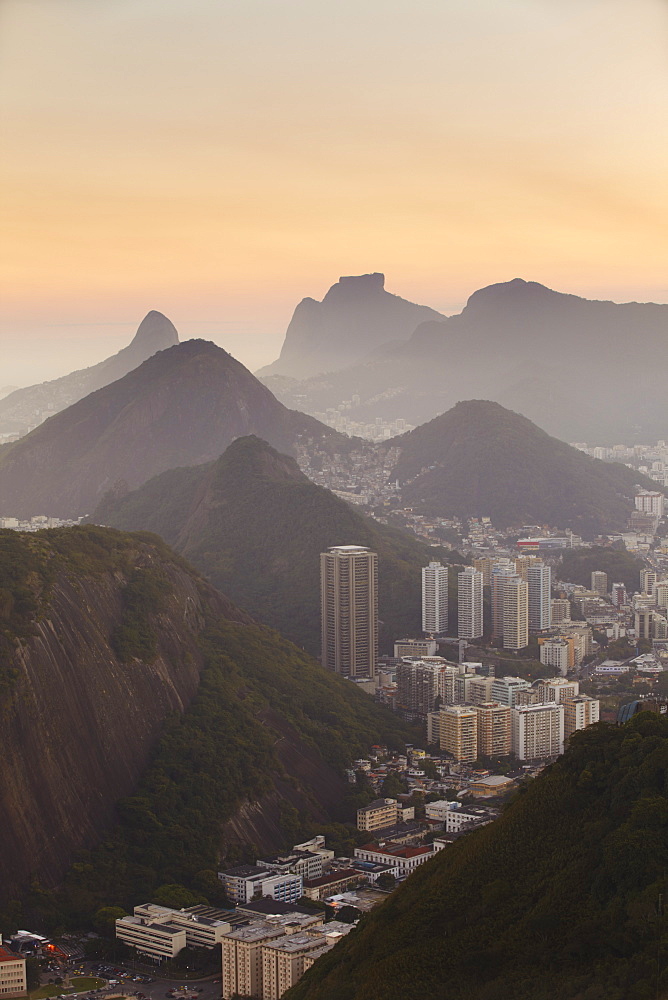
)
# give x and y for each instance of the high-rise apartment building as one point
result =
(459, 731)
(420, 682)
(504, 689)
(484, 566)
(435, 599)
(539, 584)
(580, 712)
(494, 729)
(500, 571)
(560, 610)
(618, 594)
(469, 603)
(349, 603)
(650, 502)
(599, 582)
(515, 604)
(538, 731)
(558, 689)
(558, 653)
(648, 578)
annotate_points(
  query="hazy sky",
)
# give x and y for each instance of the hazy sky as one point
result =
(220, 159)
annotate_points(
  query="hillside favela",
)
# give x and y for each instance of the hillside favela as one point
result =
(334, 500)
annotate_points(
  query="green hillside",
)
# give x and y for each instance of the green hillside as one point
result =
(480, 459)
(577, 565)
(562, 898)
(255, 525)
(267, 725)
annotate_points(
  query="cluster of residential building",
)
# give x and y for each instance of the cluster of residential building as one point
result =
(498, 716)
(36, 523)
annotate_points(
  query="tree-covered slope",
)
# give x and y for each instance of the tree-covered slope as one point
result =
(562, 898)
(255, 525)
(577, 566)
(480, 459)
(116, 656)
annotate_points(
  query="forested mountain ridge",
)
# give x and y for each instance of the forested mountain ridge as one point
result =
(559, 359)
(182, 406)
(561, 898)
(115, 655)
(255, 525)
(480, 459)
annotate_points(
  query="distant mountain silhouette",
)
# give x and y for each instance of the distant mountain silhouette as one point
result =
(584, 370)
(24, 408)
(480, 459)
(356, 316)
(255, 525)
(182, 406)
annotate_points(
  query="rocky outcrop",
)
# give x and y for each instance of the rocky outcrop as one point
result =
(78, 725)
(22, 409)
(356, 316)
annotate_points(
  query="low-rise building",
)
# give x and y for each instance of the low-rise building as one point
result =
(336, 881)
(404, 859)
(13, 981)
(247, 881)
(382, 813)
(461, 817)
(161, 931)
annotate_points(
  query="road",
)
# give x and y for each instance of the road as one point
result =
(206, 989)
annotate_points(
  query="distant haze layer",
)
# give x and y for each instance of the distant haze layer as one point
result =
(219, 162)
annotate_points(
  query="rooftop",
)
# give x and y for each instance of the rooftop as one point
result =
(9, 956)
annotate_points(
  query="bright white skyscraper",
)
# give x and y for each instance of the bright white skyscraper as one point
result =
(539, 582)
(435, 598)
(469, 603)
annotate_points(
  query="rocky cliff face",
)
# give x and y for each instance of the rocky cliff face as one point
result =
(355, 317)
(23, 408)
(77, 724)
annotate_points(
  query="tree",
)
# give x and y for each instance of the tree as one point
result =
(105, 919)
(386, 881)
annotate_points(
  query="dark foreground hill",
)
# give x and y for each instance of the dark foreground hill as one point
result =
(181, 407)
(568, 363)
(114, 655)
(24, 408)
(480, 459)
(255, 525)
(562, 898)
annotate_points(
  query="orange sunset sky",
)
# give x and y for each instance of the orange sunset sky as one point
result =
(220, 159)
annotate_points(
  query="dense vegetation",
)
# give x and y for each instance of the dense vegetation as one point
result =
(255, 525)
(257, 691)
(577, 565)
(560, 899)
(480, 459)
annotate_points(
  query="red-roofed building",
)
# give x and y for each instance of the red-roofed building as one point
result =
(406, 859)
(13, 981)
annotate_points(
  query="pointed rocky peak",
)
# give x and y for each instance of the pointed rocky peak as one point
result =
(155, 333)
